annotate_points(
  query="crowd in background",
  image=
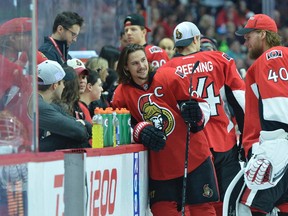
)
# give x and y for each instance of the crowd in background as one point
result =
(69, 90)
(215, 19)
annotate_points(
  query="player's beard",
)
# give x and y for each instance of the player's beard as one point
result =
(256, 52)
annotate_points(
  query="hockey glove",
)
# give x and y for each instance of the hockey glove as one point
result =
(149, 136)
(192, 113)
(269, 161)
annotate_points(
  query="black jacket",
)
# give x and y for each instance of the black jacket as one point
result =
(58, 130)
(51, 52)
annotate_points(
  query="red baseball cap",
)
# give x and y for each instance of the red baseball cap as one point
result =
(16, 25)
(40, 57)
(258, 22)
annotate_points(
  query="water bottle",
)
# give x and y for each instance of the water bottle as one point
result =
(119, 115)
(97, 129)
(116, 129)
(108, 127)
(126, 126)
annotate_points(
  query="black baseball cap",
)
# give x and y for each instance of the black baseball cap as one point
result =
(136, 19)
(207, 43)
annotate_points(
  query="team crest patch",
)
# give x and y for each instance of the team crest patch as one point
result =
(178, 34)
(179, 73)
(274, 54)
(227, 57)
(207, 191)
(155, 49)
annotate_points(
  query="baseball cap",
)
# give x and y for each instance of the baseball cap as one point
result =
(16, 25)
(40, 57)
(184, 33)
(51, 72)
(78, 66)
(135, 19)
(207, 43)
(258, 22)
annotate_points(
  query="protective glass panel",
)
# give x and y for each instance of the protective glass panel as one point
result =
(17, 107)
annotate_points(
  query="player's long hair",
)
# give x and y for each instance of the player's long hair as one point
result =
(273, 39)
(125, 76)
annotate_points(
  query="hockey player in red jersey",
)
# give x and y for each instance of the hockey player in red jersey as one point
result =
(135, 31)
(16, 81)
(217, 81)
(266, 123)
(159, 104)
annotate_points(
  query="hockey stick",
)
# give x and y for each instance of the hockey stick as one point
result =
(233, 194)
(187, 145)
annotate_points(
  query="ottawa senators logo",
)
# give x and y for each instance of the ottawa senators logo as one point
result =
(160, 117)
(207, 191)
(179, 35)
(78, 63)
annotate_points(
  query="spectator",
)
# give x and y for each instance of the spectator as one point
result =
(81, 71)
(206, 21)
(92, 93)
(168, 45)
(57, 129)
(111, 54)
(66, 28)
(158, 34)
(235, 52)
(265, 125)
(244, 12)
(101, 66)
(284, 34)
(208, 44)
(154, 105)
(135, 31)
(70, 95)
(228, 14)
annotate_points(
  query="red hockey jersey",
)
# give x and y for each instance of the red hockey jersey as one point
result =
(266, 95)
(15, 100)
(158, 104)
(217, 81)
(156, 56)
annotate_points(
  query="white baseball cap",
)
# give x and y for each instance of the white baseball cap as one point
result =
(184, 33)
(51, 72)
(78, 66)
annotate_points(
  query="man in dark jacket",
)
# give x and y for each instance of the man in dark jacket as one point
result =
(66, 29)
(57, 130)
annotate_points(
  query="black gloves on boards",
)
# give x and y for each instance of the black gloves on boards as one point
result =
(149, 136)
